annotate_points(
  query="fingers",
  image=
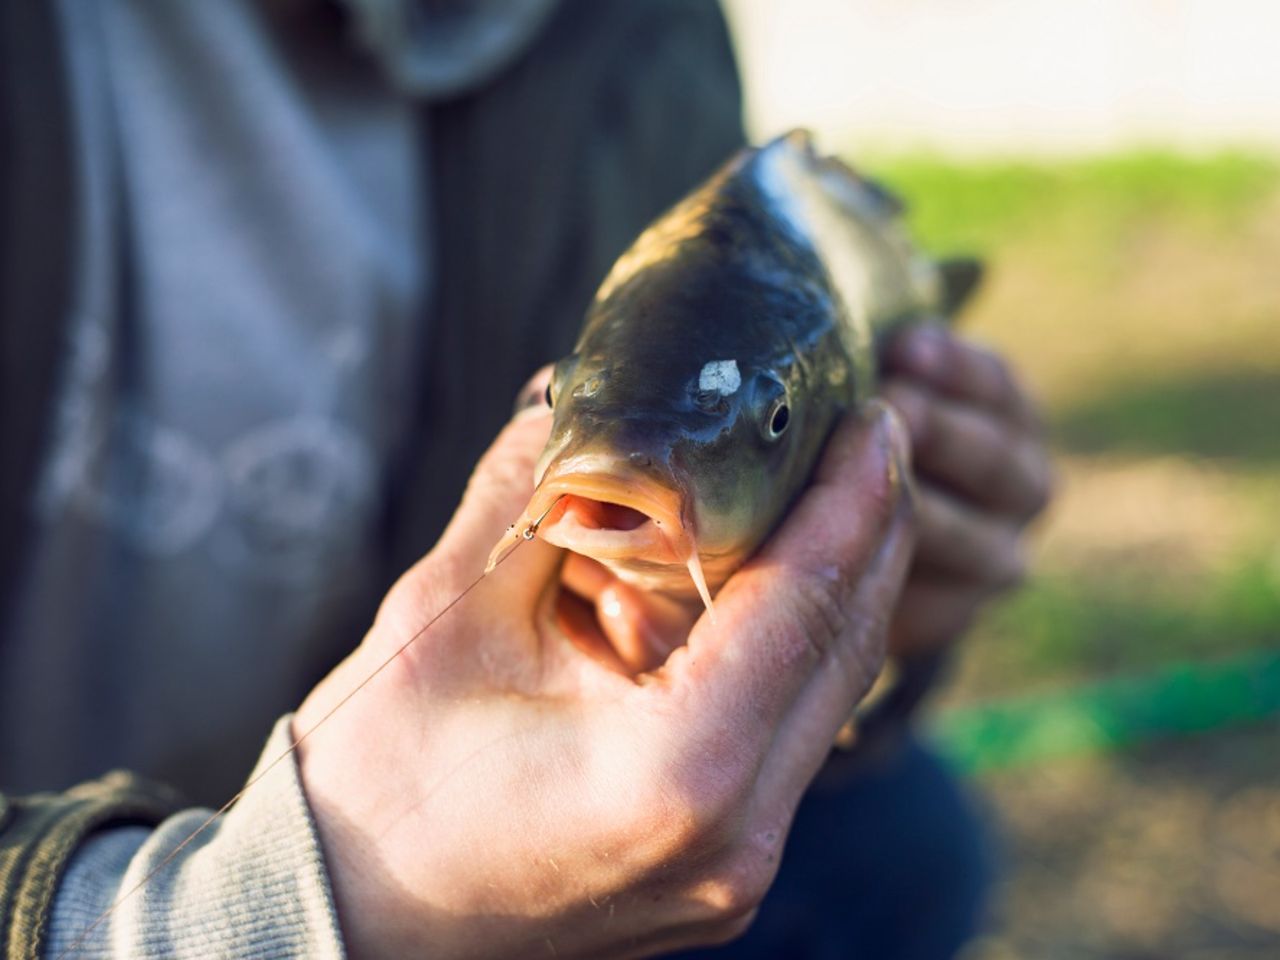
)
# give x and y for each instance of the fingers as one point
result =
(982, 457)
(804, 738)
(969, 545)
(961, 370)
(805, 605)
(931, 613)
(641, 628)
(984, 472)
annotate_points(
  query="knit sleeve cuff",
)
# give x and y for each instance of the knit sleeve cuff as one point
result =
(253, 884)
(40, 834)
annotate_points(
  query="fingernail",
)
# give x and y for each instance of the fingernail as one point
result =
(896, 439)
(885, 419)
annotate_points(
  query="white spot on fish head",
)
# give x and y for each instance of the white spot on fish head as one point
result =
(720, 376)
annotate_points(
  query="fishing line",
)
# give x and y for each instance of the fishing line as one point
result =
(528, 533)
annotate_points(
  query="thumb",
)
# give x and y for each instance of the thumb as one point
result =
(809, 605)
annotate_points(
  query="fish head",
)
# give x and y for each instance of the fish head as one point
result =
(671, 466)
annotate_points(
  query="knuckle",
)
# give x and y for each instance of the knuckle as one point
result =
(1011, 565)
(1004, 377)
(820, 613)
(830, 626)
(989, 378)
(1019, 479)
(988, 450)
(1029, 487)
(1044, 486)
(728, 898)
(1037, 501)
(734, 889)
(994, 371)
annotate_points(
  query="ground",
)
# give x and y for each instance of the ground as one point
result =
(1135, 683)
(1169, 851)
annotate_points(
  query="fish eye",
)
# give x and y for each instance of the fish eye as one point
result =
(771, 406)
(779, 419)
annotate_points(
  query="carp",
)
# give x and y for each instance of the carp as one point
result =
(715, 360)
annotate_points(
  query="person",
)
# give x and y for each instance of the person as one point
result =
(266, 294)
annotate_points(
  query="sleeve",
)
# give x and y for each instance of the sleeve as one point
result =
(252, 885)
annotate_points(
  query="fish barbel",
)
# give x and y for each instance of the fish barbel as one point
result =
(714, 361)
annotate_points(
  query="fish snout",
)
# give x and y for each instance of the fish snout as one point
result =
(623, 502)
(630, 514)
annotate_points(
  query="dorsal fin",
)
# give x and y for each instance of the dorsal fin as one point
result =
(960, 278)
(889, 202)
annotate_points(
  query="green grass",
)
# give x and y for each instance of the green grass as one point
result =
(966, 206)
(1069, 628)
(1176, 699)
(1231, 414)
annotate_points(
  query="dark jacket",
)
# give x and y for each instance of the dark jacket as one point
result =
(540, 179)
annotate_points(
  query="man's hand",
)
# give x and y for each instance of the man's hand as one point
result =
(983, 474)
(499, 792)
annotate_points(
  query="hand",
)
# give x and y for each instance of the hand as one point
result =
(983, 473)
(499, 792)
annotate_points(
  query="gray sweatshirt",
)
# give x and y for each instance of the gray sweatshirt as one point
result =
(256, 251)
(252, 885)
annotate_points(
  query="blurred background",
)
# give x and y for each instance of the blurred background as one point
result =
(1118, 164)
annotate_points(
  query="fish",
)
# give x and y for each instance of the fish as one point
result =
(714, 361)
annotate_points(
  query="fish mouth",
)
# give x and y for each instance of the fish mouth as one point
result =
(627, 520)
(608, 514)
(611, 518)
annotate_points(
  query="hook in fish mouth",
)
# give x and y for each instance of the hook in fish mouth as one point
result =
(605, 517)
(633, 525)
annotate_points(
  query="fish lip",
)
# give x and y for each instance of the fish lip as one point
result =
(662, 538)
(643, 542)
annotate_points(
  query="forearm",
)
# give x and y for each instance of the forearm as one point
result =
(252, 885)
